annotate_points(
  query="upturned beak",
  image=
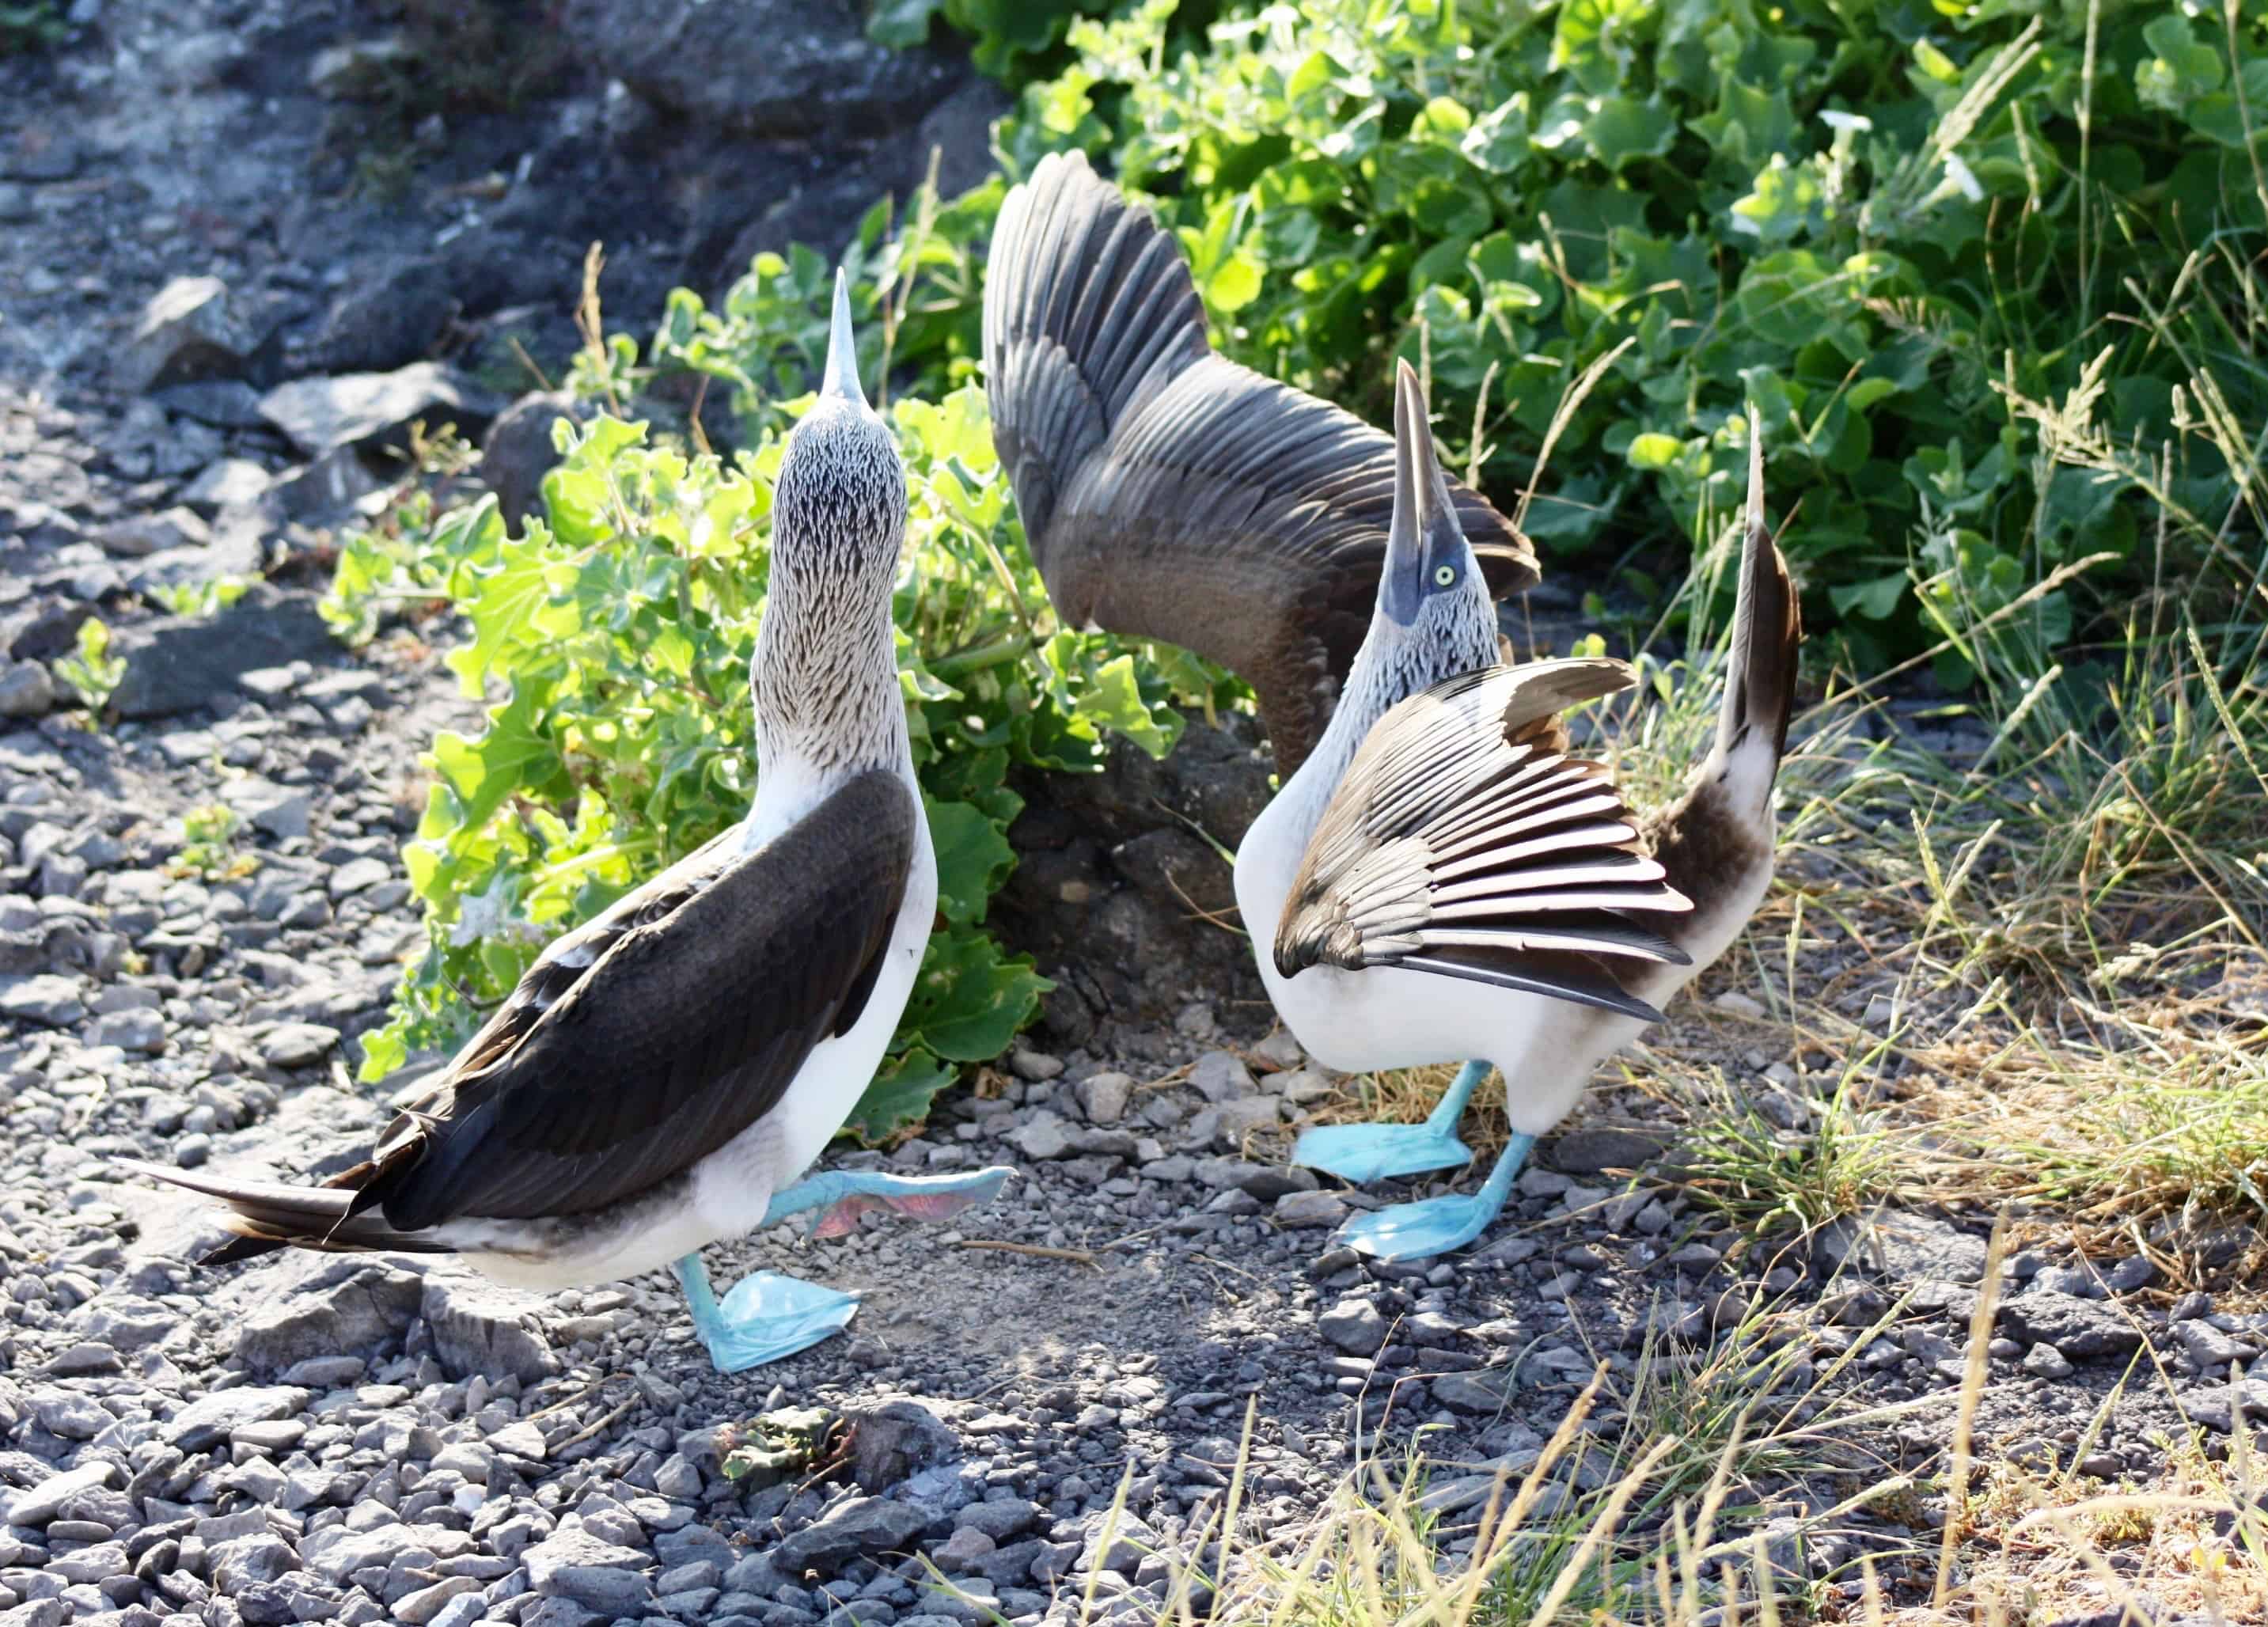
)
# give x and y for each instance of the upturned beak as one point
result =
(1423, 535)
(841, 380)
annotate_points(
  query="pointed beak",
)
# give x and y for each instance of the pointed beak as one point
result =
(841, 380)
(1423, 536)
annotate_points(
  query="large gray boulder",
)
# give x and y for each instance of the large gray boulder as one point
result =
(769, 68)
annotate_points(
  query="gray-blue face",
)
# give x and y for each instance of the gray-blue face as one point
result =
(1426, 555)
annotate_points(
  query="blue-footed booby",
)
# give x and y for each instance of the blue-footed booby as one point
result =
(1167, 493)
(1446, 883)
(663, 1073)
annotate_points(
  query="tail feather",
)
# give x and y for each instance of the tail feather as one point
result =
(1767, 628)
(267, 1215)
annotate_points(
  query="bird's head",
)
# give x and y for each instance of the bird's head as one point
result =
(839, 506)
(1431, 590)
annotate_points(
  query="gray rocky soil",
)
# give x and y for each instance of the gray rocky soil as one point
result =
(213, 320)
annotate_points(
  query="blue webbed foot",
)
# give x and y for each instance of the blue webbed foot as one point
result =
(1436, 1224)
(841, 1196)
(764, 1317)
(1361, 1153)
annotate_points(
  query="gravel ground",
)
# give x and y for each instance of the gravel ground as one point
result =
(357, 1439)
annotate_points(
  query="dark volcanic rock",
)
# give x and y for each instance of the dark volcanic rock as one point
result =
(865, 1525)
(789, 68)
(2080, 1329)
(897, 1439)
(1115, 874)
(385, 321)
(179, 663)
(518, 453)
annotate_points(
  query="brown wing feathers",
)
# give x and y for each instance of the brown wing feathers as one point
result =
(1463, 839)
(1168, 492)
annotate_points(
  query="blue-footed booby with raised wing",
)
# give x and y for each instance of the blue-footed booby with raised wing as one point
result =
(1446, 882)
(1170, 493)
(663, 1073)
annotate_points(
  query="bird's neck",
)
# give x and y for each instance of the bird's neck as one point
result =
(1394, 664)
(825, 676)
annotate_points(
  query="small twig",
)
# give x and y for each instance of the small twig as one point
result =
(613, 1417)
(1076, 1256)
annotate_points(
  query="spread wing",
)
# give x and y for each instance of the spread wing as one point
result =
(1168, 492)
(1465, 840)
(655, 1034)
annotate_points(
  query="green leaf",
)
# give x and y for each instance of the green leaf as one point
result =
(1654, 451)
(973, 859)
(1621, 130)
(1113, 699)
(899, 1095)
(1878, 599)
(1234, 283)
(901, 24)
(971, 1000)
(523, 600)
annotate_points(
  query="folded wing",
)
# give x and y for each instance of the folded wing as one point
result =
(1465, 840)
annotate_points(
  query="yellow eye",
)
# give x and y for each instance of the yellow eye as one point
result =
(1444, 576)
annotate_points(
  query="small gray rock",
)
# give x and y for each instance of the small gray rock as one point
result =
(1219, 1077)
(351, 409)
(187, 331)
(1044, 1137)
(2081, 1329)
(348, 1304)
(598, 1575)
(46, 998)
(895, 1441)
(26, 689)
(1102, 1097)
(2046, 1362)
(862, 1526)
(298, 1044)
(205, 1423)
(1310, 1209)
(1354, 1325)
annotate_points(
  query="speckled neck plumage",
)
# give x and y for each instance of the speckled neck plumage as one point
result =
(825, 670)
(1454, 633)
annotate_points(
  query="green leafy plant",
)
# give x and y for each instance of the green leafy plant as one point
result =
(209, 849)
(1882, 225)
(93, 672)
(36, 25)
(1006, 32)
(206, 598)
(623, 630)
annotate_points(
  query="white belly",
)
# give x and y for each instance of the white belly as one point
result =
(727, 1192)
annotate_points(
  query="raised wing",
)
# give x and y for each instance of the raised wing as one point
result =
(1168, 492)
(651, 1038)
(1464, 840)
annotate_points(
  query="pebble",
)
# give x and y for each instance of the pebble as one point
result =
(1310, 1209)
(1218, 1076)
(1353, 1325)
(1103, 1097)
(298, 1044)
(2047, 1362)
